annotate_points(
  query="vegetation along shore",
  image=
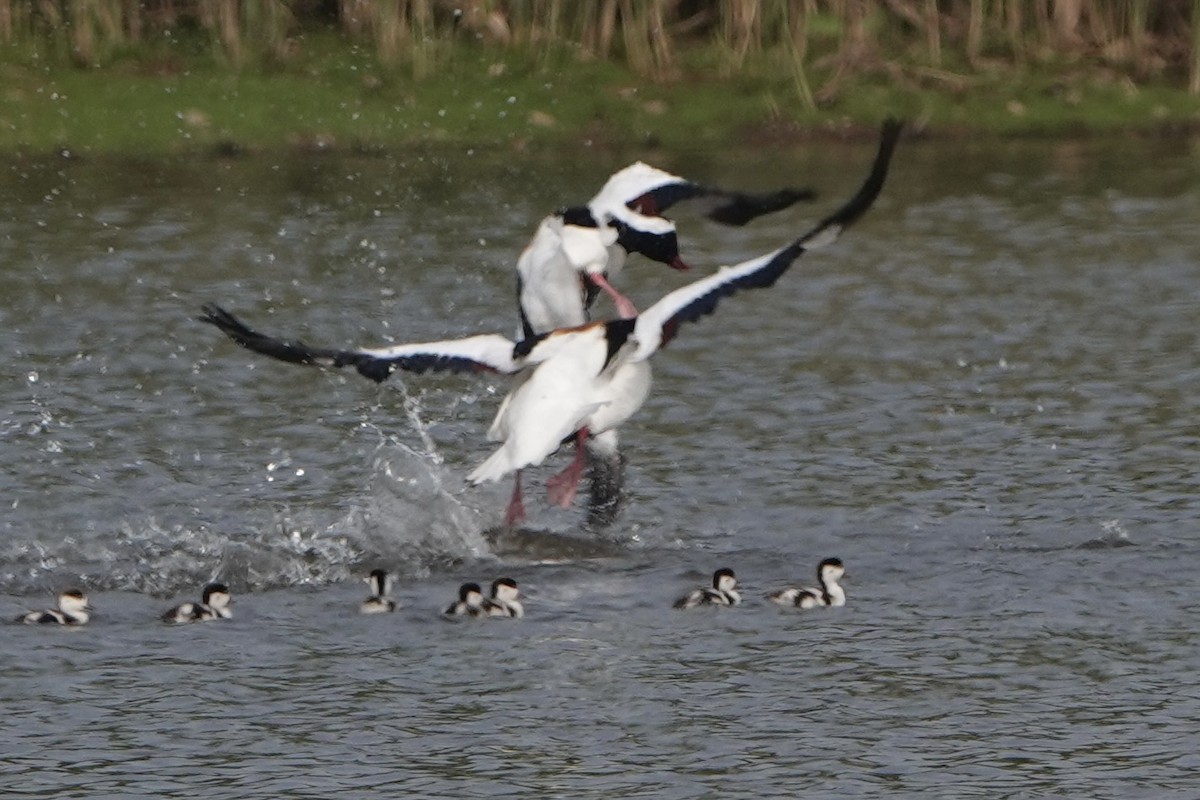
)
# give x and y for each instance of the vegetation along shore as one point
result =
(234, 76)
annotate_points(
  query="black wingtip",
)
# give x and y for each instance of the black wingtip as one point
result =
(892, 127)
(296, 352)
(228, 324)
(741, 208)
(888, 136)
(872, 186)
(377, 368)
(213, 314)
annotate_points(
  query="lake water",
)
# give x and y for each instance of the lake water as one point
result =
(983, 399)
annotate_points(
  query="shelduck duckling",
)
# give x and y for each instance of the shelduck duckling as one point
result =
(504, 602)
(830, 593)
(574, 383)
(381, 587)
(73, 608)
(469, 603)
(214, 604)
(723, 592)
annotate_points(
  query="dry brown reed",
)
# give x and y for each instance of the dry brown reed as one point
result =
(1144, 38)
(1194, 82)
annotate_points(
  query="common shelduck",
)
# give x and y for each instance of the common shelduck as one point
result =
(722, 593)
(469, 602)
(580, 381)
(73, 609)
(576, 252)
(829, 593)
(379, 601)
(214, 604)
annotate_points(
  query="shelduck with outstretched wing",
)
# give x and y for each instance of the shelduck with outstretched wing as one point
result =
(648, 191)
(574, 255)
(657, 325)
(583, 380)
(576, 252)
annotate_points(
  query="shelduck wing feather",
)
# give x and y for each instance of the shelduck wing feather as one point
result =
(626, 186)
(487, 352)
(657, 325)
(654, 202)
(738, 208)
(720, 205)
(651, 192)
(295, 352)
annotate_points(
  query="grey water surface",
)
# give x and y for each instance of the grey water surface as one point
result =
(983, 399)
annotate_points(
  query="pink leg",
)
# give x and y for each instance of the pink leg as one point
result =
(515, 514)
(561, 488)
(625, 307)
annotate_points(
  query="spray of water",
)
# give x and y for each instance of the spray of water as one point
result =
(412, 515)
(408, 520)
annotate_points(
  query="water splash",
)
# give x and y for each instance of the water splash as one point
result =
(411, 514)
(146, 556)
(1113, 534)
(408, 520)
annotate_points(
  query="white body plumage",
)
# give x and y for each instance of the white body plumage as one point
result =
(73, 609)
(380, 600)
(214, 604)
(828, 592)
(469, 603)
(504, 600)
(723, 592)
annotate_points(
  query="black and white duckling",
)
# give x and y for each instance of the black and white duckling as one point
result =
(723, 592)
(381, 587)
(469, 603)
(830, 593)
(504, 602)
(72, 609)
(214, 604)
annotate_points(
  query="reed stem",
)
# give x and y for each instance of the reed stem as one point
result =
(1194, 81)
(829, 36)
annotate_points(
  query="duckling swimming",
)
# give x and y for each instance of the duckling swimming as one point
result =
(722, 593)
(214, 604)
(830, 593)
(504, 602)
(72, 609)
(469, 603)
(381, 587)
